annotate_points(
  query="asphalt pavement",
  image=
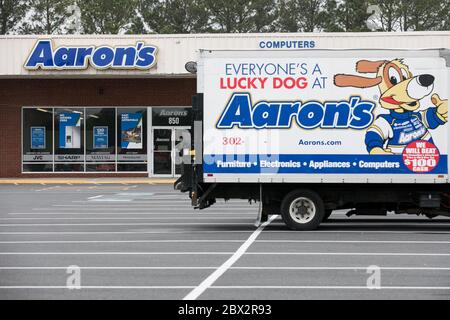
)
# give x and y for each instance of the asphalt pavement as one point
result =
(142, 241)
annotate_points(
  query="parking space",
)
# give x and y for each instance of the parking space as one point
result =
(141, 241)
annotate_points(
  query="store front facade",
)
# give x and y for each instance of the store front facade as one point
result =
(118, 105)
(103, 139)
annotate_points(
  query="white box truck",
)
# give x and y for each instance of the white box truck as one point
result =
(308, 132)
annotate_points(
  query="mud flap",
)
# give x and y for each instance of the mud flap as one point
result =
(261, 216)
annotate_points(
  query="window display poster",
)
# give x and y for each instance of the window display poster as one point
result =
(37, 137)
(70, 130)
(131, 130)
(100, 137)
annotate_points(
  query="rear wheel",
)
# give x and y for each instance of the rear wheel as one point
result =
(302, 210)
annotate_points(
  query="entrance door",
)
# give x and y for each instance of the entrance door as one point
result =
(166, 159)
(162, 152)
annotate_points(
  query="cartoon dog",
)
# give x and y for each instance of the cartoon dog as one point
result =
(400, 93)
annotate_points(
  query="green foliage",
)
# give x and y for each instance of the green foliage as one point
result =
(47, 16)
(11, 13)
(171, 16)
(228, 16)
(106, 16)
(301, 15)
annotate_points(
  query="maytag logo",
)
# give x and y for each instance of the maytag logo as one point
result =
(45, 57)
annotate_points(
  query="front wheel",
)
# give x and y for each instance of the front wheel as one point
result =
(302, 210)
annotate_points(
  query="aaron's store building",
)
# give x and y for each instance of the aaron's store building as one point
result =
(115, 105)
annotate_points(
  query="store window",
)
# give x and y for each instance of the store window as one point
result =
(103, 139)
(37, 139)
(132, 139)
(100, 139)
(69, 139)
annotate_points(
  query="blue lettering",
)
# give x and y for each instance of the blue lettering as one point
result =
(41, 56)
(65, 57)
(124, 57)
(239, 111)
(265, 115)
(146, 57)
(82, 55)
(310, 115)
(103, 57)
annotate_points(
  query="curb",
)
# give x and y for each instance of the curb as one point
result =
(98, 181)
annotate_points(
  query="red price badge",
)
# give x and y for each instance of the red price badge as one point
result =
(421, 156)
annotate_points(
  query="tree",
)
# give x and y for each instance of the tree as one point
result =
(386, 14)
(106, 16)
(11, 13)
(230, 15)
(352, 16)
(47, 16)
(171, 16)
(265, 14)
(301, 15)
(427, 15)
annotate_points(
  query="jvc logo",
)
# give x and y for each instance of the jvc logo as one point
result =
(37, 158)
(239, 111)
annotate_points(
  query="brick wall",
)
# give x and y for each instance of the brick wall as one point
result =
(78, 92)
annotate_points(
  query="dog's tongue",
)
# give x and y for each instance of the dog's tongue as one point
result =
(391, 100)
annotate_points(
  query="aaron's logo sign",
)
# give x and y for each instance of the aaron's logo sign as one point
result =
(43, 56)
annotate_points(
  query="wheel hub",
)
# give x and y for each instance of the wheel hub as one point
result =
(302, 210)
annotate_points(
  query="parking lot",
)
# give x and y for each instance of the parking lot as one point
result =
(141, 241)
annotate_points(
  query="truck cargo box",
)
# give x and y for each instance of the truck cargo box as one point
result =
(324, 116)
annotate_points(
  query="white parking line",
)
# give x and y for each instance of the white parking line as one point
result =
(123, 218)
(114, 253)
(209, 281)
(228, 287)
(116, 224)
(361, 232)
(356, 241)
(239, 253)
(119, 241)
(95, 197)
(349, 253)
(313, 268)
(223, 241)
(99, 287)
(332, 287)
(49, 188)
(162, 224)
(132, 213)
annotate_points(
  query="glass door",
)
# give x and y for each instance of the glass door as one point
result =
(162, 152)
(179, 133)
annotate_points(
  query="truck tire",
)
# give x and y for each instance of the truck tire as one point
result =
(302, 210)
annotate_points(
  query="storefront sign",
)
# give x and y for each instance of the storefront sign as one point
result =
(132, 157)
(131, 130)
(69, 157)
(44, 56)
(37, 157)
(171, 117)
(70, 130)
(287, 44)
(37, 137)
(100, 157)
(100, 137)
